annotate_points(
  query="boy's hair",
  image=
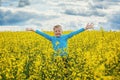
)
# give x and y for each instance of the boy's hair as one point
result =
(57, 26)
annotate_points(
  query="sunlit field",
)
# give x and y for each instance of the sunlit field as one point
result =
(92, 55)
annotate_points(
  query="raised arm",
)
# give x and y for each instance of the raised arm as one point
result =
(40, 33)
(88, 26)
(74, 33)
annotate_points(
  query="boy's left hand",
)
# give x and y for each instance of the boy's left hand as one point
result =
(89, 26)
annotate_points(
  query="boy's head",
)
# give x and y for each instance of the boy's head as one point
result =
(57, 30)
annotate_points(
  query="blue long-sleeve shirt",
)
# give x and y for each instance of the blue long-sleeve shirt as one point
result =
(59, 42)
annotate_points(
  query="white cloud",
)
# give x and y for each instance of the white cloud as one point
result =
(69, 13)
(114, 21)
(15, 16)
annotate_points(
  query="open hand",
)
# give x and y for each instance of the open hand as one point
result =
(89, 26)
(29, 29)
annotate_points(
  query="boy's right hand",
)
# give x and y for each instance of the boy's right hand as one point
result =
(29, 29)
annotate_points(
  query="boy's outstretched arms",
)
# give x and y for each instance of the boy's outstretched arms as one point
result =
(40, 33)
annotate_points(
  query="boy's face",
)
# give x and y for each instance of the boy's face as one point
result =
(58, 31)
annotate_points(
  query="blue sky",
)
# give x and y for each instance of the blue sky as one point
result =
(71, 14)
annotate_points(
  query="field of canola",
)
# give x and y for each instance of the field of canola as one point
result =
(93, 55)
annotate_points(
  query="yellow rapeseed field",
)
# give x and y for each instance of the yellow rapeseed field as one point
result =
(93, 55)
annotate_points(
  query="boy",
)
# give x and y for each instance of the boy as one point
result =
(59, 41)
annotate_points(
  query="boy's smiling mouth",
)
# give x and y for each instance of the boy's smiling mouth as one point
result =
(58, 34)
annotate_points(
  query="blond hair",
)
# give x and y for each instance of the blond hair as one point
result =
(57, 26)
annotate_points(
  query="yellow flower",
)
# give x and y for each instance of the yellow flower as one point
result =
(0, 77)
(91, 55)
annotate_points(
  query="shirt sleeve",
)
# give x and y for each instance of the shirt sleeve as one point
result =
(74, 33)
(44, 35)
